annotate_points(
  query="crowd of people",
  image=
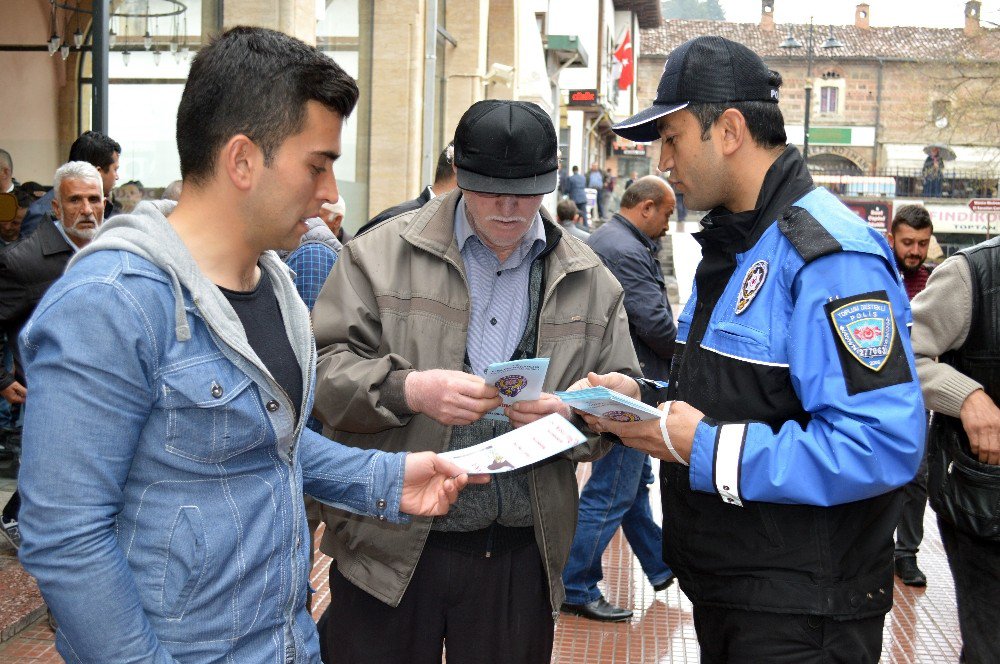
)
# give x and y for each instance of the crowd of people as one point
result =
(216, 372)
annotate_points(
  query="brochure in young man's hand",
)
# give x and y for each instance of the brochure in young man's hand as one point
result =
(518, 448)
(517, 380)
(602, 402)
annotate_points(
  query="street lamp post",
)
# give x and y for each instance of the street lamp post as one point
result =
(790, 42)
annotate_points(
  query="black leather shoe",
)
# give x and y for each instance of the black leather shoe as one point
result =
(663, 585)
(600, 609)
(909, 573)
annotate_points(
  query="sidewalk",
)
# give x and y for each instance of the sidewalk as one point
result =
(922, 628)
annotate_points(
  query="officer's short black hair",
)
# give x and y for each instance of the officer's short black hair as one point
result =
(95, 148)
(256, 82)
(764, 119)
(915, 216)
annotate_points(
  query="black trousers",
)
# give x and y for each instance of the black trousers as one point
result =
(975, 566)
(482, 610)
(733, 636)
(910, 530)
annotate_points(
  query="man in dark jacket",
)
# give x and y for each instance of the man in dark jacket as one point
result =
(444, 181)
(617, 492)
(576, 191)
(793, 414)
(28, 268)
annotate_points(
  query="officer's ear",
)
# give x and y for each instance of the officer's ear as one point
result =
(732, 131)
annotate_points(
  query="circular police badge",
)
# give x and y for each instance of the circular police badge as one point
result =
(752, 282)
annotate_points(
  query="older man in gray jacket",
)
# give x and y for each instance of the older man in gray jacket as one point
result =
(413, 313)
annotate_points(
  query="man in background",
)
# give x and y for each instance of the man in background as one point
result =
(617, 492)
(576, 191)
(444, 181)
(28, 269)
(569, 219)
(99, 150)
(956, 339)
(910, 237)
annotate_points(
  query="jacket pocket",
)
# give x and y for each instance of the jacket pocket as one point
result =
(213, 411)
(184, 564)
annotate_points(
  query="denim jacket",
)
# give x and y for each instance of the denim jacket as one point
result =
(164, 468)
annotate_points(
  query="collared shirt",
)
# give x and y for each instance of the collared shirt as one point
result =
(62, 231)
(499, 291)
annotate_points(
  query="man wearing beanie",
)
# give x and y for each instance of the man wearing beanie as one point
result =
(793, 414)
(413, 313)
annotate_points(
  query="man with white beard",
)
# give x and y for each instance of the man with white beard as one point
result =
(28, 268)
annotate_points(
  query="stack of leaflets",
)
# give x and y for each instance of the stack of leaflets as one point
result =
(521, 447)
(517, 380)
(602, 402)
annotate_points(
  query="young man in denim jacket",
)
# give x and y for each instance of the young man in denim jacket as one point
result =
(172, 370)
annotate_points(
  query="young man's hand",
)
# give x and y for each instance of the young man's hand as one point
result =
(431, 484)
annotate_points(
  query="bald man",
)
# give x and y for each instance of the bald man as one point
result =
(617, 493)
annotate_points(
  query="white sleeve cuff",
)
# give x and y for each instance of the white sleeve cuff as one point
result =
(728, 454)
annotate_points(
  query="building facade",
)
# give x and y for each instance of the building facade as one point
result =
(419, 63)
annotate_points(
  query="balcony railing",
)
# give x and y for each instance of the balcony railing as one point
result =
(910, 183)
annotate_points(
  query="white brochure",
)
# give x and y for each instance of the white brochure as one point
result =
(518, 448)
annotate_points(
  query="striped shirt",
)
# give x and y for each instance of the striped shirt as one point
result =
(499, 291)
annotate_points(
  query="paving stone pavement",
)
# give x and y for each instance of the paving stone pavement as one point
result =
(921, 629)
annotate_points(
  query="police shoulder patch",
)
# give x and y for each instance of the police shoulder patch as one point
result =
(867, 339)
(867, 330)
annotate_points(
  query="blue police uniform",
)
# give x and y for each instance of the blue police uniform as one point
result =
(795, 345)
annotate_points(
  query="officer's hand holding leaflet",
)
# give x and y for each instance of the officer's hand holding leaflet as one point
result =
(644, 436)
(981, 421)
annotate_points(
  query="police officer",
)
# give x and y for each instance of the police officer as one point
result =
(793, 413)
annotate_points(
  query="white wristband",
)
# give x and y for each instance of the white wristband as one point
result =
(666, 436)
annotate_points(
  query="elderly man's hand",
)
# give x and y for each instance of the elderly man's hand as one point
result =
(615, 381)
(981, 420)
(14, 393)
(647, 437)
(450, 397)
(431, 484)
(526, 412)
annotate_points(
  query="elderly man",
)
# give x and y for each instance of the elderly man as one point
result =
(413, 313)
(793, 414)
(95, 148)
(616, 493)
(956, 338)
(28, 269)
(165, 453)
(6, 172)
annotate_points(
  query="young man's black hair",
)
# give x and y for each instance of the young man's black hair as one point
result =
(221, 100)
(915, 216)
(95, 148)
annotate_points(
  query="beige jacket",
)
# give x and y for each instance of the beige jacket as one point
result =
(398, 299)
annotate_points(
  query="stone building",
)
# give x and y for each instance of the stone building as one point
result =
(877, 100)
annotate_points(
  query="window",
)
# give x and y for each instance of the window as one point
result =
(941, 109)
(828, 96)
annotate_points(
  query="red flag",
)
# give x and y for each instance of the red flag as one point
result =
(623, 54)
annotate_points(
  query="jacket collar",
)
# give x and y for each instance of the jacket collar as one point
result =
(647, 242)
(432, 228)
(786, 181)
(52, 241)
